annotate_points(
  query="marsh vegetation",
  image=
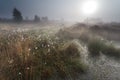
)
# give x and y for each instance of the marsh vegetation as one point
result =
(32, 52)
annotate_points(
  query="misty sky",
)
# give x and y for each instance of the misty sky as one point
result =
(108, 10)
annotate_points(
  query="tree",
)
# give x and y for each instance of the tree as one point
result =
(17, 16)
(36, 18)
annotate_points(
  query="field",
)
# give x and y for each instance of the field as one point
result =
(59, 52)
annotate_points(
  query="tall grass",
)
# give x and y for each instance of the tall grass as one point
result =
(112, 51)
(23, 57)
(96, 46)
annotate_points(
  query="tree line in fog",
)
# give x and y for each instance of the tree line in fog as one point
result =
(18, 17)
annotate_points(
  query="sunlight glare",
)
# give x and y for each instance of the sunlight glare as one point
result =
(89, 7)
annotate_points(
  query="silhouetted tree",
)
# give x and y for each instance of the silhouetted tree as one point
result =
(17, 16)
(36, 18)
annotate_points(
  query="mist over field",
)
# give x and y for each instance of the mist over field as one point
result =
(35, 51)
(64, 40)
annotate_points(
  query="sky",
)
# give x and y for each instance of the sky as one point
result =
(70, 10)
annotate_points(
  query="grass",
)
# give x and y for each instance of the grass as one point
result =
(97, 46)
(24, 56)
(111, 51)
(65, 34)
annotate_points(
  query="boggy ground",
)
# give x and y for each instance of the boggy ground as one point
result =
(51, 52)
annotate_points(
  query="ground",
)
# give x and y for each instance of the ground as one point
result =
(102, 67)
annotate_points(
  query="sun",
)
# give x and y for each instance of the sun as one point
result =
(89, 7)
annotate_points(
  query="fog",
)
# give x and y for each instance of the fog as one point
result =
(59, 40)
(56, 9)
